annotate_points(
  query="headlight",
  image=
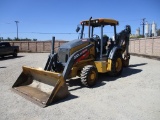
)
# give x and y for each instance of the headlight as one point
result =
(96, 21)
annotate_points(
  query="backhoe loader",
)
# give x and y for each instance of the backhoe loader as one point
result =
(83, 57)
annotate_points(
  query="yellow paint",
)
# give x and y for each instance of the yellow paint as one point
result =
(30, 70)
(109, 65)
(92, 51)
(74, 72)
(101, 66)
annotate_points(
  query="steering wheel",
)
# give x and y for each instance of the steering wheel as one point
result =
(96, 36)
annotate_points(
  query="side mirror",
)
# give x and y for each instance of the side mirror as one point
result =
(78, 28)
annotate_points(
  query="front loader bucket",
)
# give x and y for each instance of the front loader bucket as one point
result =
(41, 87)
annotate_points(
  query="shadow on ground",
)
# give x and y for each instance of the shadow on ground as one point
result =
(3, 67)
(69, 97)
(9, 57)
(75, 83)
(128, 71)
(136, 65)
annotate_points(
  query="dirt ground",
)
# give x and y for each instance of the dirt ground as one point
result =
(135, 95)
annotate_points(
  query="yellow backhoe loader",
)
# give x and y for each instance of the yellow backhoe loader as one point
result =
(83, 57)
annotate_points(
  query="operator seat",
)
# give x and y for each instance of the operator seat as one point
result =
(105, 41)
(97, 44)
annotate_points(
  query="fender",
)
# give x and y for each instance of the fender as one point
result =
(113, 51)
(73, 58)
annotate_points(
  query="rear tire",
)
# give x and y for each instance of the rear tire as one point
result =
(117, 65)
(2, 56)
(89, 75)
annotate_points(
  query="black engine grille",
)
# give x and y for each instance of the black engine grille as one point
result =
(63, 55)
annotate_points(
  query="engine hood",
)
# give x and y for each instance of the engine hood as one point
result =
(74, 43)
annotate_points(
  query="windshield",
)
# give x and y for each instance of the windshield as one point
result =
(96, 31)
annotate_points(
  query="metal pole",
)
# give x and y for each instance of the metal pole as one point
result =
(139, 46)
(17, 28)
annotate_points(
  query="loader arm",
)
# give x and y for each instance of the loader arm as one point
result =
(72, 59)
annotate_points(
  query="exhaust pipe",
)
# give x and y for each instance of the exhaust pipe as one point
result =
(51, 56)
(53, 42)
(89, 29)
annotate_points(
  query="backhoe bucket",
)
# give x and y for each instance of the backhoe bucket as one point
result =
(125, 63)
(41, 87)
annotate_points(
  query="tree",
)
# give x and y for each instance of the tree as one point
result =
(26, 39)
(140, 36)
(34, 39)
(158, 32)
(15, 38)
(9, 39)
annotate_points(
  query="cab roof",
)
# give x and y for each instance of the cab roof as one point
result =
(100, 21)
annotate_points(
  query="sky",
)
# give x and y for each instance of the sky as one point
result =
(42, 19)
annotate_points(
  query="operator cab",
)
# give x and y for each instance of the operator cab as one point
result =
(102, 41)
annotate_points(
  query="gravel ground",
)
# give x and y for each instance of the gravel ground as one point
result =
(135, 95)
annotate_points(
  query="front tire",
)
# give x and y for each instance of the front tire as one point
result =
(89, 75)
(15, 53)
(2, 56)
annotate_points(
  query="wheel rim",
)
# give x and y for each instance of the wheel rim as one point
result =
(93, 75)
(118, 64)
